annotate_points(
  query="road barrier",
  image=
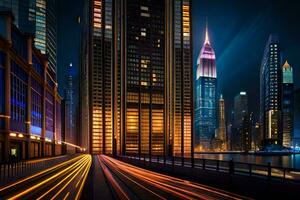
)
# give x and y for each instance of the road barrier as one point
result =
(226, 166)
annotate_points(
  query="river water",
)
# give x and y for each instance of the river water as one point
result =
(289, 161)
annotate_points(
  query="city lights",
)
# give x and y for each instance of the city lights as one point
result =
(149, 99)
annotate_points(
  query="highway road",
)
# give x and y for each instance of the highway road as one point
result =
(130, 182)
(62, 181)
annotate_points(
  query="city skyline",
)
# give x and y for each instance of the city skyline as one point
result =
(239, 31)
(149, 99)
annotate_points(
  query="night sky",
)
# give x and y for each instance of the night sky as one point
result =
(69, 31)
(238, 31)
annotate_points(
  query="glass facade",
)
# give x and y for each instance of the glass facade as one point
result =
(19, 80)
(49, 103)
(36, 107)
(270, 91)
(40, 28)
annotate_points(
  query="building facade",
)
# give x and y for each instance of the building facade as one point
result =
(139, 75)
(70, 136)
(296, 135)
(206, 97)
(37, 17)
(246, 132)
(287, 105)
(29, 103)
(222, 124)
(241, 116)
(270, 92)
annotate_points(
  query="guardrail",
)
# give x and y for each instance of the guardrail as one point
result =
(226, 166)
(14, 170)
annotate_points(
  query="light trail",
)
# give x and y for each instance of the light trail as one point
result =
(74, 176)
(155, 194)
(45, 181)
(39, 173)
(162, 186)
(57, 182)
(84, 179)
(175, 186)
(120, 192)
(77, 169)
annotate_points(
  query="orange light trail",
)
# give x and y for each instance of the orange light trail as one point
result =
(67, 173)
(175, 186)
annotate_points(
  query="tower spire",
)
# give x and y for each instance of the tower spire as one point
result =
(206, 33)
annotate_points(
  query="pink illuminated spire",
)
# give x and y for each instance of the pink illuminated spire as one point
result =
(206, 62)
(206, 34)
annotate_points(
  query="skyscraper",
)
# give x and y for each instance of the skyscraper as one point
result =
(222, 126)
(206, 95)
(240, 108)
(287, 104)
(139, 77)
(69, 111)
(270, 92)
(245, 132)
(240, 118)
(36, 17)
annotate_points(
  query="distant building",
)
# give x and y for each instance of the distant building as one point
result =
(256, 137)
(206, 97)
(246, 133)
(240, 108)
(222, 126)
(30, 107)
(230, 131)
(84, 118)
(70, 135)
(138, 72)
(38, 18)
(240, 112)
(296, 135)
(270, 92)
(287, 105)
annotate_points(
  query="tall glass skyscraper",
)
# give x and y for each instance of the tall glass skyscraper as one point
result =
(206, 97)
(270, 92)
(139, 77)
(37, 17)
(287, 104)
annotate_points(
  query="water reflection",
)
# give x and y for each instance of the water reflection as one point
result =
(289, 161)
